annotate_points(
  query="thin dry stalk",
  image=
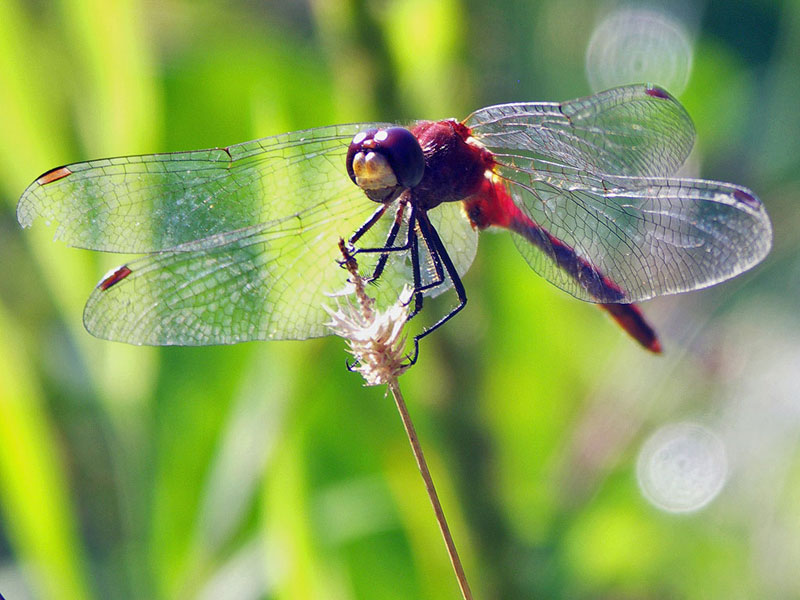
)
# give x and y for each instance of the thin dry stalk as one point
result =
(419, 455)
(378, 344)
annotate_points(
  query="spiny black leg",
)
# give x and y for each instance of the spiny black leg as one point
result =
(415, 268)
(368, 224)
(419, 289)
(384, 257)
(437, 268)
(442, 263)
(364, 228)
(436, 247)
(388, 246)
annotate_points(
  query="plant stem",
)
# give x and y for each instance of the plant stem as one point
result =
(431, 489)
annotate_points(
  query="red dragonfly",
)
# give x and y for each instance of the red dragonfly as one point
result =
(241, 242)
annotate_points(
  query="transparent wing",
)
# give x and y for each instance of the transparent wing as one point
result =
(264, 282)
(458, 237)
(648, 236)
(636, 130)
(141, 204)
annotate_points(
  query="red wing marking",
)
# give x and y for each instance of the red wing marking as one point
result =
(53, 175)
(657, 92)
(114, 278)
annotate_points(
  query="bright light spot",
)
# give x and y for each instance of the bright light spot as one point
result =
(639, 46)
(682, 467)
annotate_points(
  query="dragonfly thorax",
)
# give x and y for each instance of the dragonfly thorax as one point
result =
(455, 165)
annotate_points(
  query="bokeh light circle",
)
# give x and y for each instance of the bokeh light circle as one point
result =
(639, 46)
(682, 467)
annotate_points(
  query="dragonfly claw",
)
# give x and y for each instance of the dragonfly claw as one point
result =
(412, 359)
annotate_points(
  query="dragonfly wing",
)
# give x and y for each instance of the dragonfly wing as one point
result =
(631, 238)
(264, 282)
(150, 203)
(636, 130)
(459, 238)
(268, 281)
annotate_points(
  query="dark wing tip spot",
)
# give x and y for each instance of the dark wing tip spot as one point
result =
(657, 92)
(53, 175)
(115, 277)
(746, 198)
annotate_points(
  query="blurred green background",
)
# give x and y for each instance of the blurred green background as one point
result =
(266, 470)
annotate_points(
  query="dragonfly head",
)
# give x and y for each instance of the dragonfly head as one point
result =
(384, 161)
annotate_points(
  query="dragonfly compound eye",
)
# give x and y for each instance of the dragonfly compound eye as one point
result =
(383, 159)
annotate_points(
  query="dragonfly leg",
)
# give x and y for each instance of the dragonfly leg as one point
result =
(388, 246)
(440, 257)
(419, 288)
(411, 239)
(415, 268)
(437, 269)
(364, 228)
(418, 226)
(374, 218)
(390, 239)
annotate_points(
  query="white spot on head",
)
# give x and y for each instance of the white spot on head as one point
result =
(360, 137)
(682, 467)
(381, 135)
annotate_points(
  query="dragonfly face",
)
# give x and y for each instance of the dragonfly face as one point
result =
(240, 243)
(383, 162)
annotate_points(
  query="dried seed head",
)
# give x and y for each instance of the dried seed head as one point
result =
(375, 338)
